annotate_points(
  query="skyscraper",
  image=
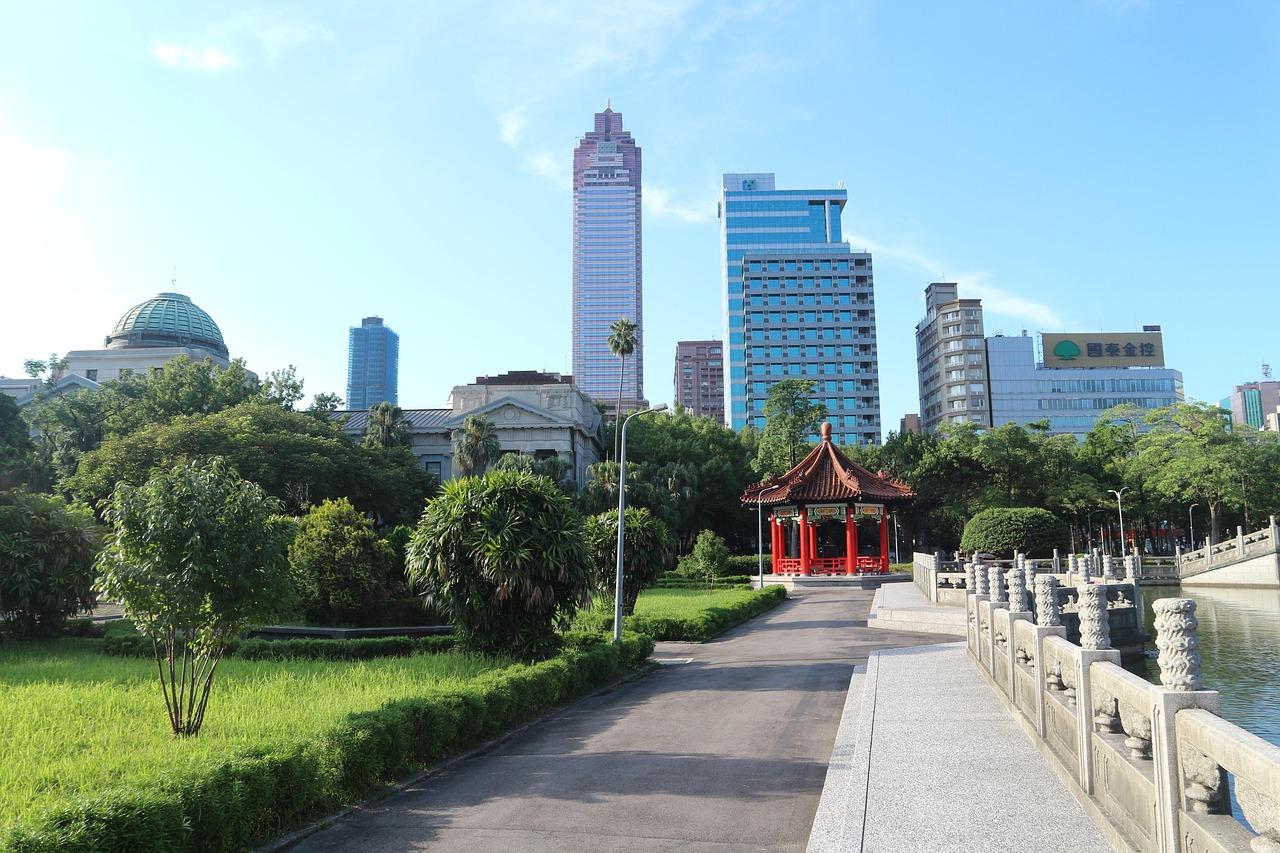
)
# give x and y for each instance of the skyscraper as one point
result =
(799, 303)
(699, 378)
(951, 359)
(607, 269)
(373, 364)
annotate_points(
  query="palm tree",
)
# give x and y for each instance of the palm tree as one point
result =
(385, 426)
(476, 445)
(622, 343)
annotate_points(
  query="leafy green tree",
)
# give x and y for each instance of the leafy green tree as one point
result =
(385, 426)
(553, 468)
(344, 571)
(475, 446)
(15, 442)
(1189, 455)
(195, 557)
(1002, 531)
(792, 416)
(711, 556)
(47, 549)
(647, 550)
(181, 387)
(505, 558)
(291, 455)
(622, 343)
(283, 387)
(324, 405)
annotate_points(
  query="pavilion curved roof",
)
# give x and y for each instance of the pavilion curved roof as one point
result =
(826, 474)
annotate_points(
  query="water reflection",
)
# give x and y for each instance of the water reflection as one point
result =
(1240, 646)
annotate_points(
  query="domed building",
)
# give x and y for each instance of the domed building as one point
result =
(150, 333)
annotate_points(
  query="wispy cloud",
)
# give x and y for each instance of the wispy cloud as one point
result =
(661, 204)
(224, 45)
(511, 124)
(201, 59)
(973, 284)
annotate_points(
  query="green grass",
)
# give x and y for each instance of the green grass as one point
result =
(75, 722)
(686, 614)
(683, 603)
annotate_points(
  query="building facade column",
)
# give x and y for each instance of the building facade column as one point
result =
(884, 539)
(805, 555)
(850, 543)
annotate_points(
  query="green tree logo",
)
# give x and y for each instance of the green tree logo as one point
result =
(1067, 350)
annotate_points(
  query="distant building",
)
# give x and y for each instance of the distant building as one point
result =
(373, 364)
(1253, 402)
(1078, 377)
(951, 362)
(910, 424)
(798, 303)
(607, 263)
(535, 413)
(699, 378)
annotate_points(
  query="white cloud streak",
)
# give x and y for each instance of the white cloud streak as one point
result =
(200, 59)
(223, 45)
(660, 203)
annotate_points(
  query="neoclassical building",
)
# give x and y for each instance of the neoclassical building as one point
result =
(149, 334)
(538, 414)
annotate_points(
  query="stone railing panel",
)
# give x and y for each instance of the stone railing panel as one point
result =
(1209, 747)
(1060, 726)
(1124, 781)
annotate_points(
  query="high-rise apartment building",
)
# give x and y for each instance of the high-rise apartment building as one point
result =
(1252, 402)
(373, 364)
(607, 269)
(799, 303)
(699, 378)
(951, 361)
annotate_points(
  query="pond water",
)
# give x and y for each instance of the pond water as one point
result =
(1240, 647)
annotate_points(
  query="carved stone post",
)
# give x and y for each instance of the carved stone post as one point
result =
(999, 595)
(1018, 589)
(1108, 568)
(1095, 627)
(1202, 783)
(1073, 564)
(1132, 564)
(970, 579)
(1179, 644)
(980, 586)
(1047, 613)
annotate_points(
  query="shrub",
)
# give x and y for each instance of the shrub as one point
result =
(343, 570)
(47, 549)
(646, 549)
(1030, 530)
(711, 555)
(505, 558)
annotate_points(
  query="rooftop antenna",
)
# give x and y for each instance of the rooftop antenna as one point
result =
(1266, 371)
(174, 280)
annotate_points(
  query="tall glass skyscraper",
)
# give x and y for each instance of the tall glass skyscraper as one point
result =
(799, 303)
(607, 270)
(373, 365)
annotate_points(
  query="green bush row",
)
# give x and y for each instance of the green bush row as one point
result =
(364, 648)
(700, 626)
(250, 797)
(677, 582)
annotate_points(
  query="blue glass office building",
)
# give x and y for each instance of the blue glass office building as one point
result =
(799, 303)
(373, 365)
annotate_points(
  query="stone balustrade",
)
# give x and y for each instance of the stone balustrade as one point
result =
(1150, 764)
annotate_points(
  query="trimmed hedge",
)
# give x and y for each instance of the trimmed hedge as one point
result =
(363, 648)
(701, 626)
(250, 797)
(1031, 530)
(677, 582)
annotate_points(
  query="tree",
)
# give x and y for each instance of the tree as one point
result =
(385, 426)
(792, 416)
(1030, 530)
(283, 387)
(646, 552)
(195, 557)
(711, 556)
(505, 558)
(476, 445)
(291, 455)
(342, 568)
(47, 549)
(622, 343)
(15, 440)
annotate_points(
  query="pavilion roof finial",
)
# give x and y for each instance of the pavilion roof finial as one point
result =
(826, 431)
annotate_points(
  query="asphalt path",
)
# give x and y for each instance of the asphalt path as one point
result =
(724, 747)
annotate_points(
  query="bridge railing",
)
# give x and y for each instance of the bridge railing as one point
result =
(1241, 546)
(1153, 765)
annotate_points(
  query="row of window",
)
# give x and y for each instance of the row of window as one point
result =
(801, 317)
(805, 265)
(1073, 386)
(827, 334)
(789, 284)
(1100, 403)
(829, 369)
(797, 351)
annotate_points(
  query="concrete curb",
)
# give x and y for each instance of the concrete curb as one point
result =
(837, 825)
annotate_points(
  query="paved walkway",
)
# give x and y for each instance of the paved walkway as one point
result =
(729, 747)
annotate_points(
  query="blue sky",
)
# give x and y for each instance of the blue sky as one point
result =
(1080, 166)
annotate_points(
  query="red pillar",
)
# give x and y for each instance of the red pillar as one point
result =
(884, 539)
(775, 540)
(805, 553)
(813, 542)
(850, 543)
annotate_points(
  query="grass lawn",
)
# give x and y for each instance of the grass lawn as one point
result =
(681, 603)
(76, 722)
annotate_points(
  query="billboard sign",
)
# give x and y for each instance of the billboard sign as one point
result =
(1104, 349)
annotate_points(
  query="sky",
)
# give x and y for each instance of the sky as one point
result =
(1096, 165)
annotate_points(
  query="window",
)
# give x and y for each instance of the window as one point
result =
(91, 374)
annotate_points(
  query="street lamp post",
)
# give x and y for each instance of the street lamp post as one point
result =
(759, 535)
(622, 509)
(1192, 521)
(1120, 506)
(1089, 524)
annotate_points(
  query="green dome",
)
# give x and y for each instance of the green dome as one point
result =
(167, 320)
